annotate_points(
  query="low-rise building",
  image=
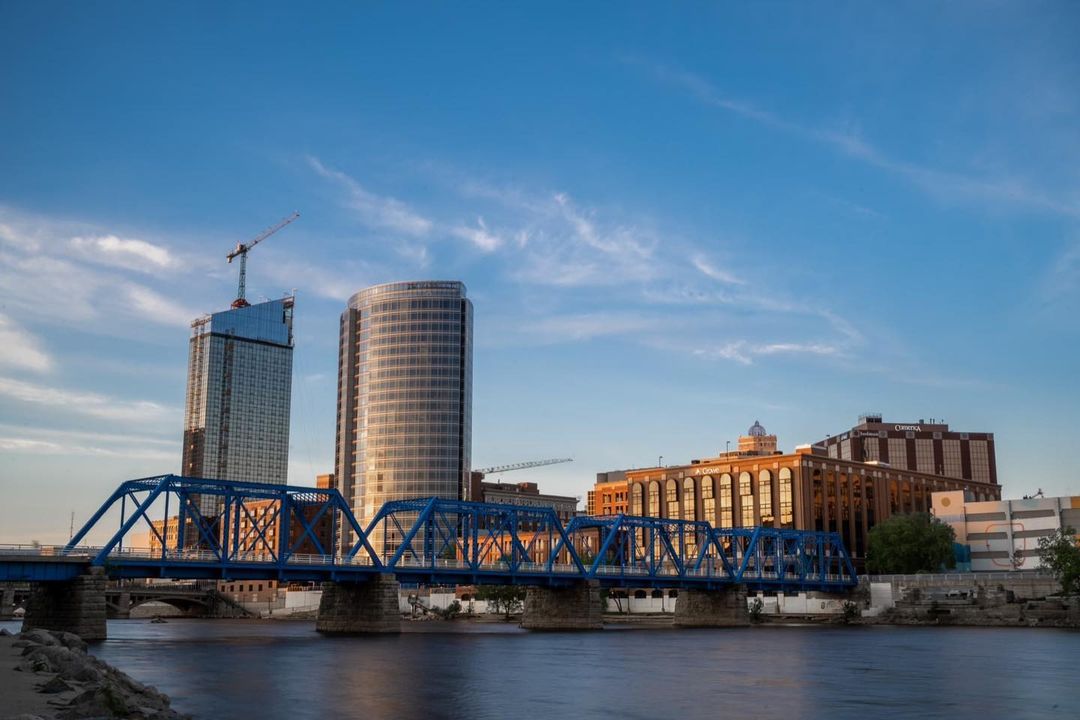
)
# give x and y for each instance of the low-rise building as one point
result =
(1003, 534)
(525, 493)
(610, 495)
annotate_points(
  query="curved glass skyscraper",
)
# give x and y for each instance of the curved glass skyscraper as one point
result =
(404, 427)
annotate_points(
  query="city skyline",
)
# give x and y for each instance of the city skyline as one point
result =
(678, 228)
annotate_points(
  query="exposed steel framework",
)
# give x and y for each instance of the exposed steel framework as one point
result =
(428, 540)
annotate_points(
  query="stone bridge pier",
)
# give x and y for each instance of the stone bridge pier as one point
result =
(7, 602)
(74, 606)
(725, 607)
(576, 607)
(361, 607)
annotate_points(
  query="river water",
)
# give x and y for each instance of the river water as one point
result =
(224, 669)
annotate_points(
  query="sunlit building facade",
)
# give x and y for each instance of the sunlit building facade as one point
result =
(239, 394)
(758, 485)
(404, 395)
(610, 494)
(930, 447)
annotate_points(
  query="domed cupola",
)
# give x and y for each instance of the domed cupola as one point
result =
(756, 430)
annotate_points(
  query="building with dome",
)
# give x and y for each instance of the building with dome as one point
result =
(757, 441)
(805, 489)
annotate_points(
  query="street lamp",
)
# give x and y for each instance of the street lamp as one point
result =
(660, 462)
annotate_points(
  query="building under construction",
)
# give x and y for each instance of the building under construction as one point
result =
(236, 420)
(239, 389)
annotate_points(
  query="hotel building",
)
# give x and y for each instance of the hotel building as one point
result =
(929, 448)
(805, 489)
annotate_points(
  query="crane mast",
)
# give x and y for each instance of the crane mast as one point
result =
(241, 252)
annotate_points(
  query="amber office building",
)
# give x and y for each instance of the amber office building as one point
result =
(805, 489)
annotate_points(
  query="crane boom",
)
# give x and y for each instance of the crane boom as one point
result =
(241, 251)
(523, 465)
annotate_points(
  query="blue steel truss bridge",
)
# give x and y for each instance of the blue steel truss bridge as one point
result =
(287, 533)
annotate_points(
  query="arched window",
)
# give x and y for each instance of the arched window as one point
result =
(787, 515)
(688, 510)
(765, 498)
(746, 499)
(708, 499)
(671, 495)
(727, 509)
(654, 499)
(640, 595)
(657, 594)
(637, 499)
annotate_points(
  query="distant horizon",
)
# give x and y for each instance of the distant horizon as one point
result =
(671, 222)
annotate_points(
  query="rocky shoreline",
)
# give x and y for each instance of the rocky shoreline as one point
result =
(50, 676)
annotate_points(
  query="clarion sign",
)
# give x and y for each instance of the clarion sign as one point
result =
(916, 428)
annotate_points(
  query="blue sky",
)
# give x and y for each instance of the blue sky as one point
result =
(671, 222)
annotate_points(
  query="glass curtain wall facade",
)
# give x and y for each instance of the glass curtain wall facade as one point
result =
(404, 425)
(239, 394)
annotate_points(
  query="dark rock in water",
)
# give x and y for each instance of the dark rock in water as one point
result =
(67, 664)
(108, 693)
(70, 640)
(56, 685)
(40, 637)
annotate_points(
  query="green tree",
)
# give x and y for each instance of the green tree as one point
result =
(509, 598)
(911, 543)
(1060, 554)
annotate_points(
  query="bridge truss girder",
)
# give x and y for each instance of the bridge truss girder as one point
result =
(441, 541)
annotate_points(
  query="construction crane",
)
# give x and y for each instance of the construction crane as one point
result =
(522, 465)
(241, 251)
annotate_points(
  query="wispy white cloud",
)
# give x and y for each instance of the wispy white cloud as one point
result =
(130, 254)
(708, 269)
(37, 446)
(945, 185)
(375, 210)
(333, 283)
(47, 274)
(25, 440)
(479, 236)
(586, 326)
(20, 349)
(744, 352)
(416, 254)
(84, 403)
(565, 245)
(156, 307)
